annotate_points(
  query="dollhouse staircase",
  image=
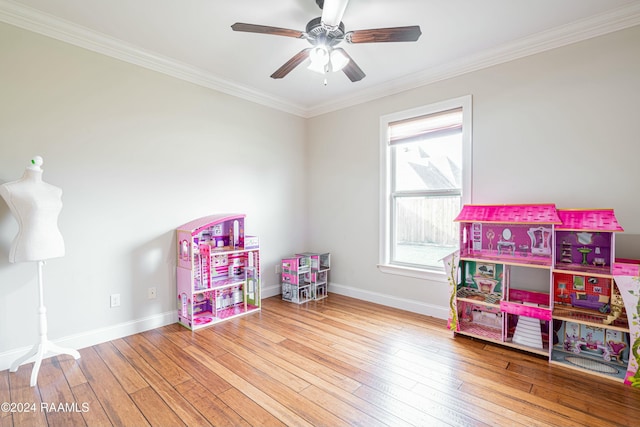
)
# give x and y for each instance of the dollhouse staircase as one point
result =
(528, 332)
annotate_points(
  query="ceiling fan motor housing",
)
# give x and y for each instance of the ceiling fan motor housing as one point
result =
(318, 33)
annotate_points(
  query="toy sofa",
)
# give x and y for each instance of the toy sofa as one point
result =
(584, 300)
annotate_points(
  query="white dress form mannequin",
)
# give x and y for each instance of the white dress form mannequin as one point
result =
(36, 206)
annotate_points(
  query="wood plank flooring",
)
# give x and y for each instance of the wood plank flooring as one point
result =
(335, 362)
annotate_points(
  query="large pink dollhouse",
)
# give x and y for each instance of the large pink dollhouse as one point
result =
(218, 272)
(545, 280)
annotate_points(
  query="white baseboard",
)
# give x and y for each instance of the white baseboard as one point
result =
(98, 336)
(439, 312)
(271, 291)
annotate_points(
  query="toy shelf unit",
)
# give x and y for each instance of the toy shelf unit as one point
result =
(218, 271)
(590, 325)
(305, 277)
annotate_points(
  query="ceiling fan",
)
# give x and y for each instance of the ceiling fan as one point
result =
(326, 32)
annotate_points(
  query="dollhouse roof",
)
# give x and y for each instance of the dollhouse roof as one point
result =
(195, 226)
(588, 220)
(523, 214)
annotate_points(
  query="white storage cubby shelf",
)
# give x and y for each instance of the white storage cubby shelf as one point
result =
(218, 271)
(305, 277)
(546, 281)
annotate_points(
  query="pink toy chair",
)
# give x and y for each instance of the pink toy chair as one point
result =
(616, 349)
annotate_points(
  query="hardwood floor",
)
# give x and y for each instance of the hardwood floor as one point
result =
(336, 362)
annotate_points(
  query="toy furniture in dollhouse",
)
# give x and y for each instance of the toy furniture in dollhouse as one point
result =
(218, 272)
(540, 240)
(593, 302)
(615, 350)
(485, 284)
(561, 292)
(599, 262)
(506, 243)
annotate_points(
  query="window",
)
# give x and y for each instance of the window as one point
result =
(425, 172)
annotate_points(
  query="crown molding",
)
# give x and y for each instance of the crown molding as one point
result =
(39, 22)
(48, 25)
(598, 25)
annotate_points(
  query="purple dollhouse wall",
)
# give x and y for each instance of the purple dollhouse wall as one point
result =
(600, 247)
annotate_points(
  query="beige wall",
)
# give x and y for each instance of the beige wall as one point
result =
(558, 127)
(137, 154)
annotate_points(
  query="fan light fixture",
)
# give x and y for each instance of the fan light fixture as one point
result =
(325, 59)
(338, 60)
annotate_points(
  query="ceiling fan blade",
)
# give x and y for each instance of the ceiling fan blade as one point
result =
(333, 11)
(383, 35)
(291, 64)
(265, 29)
(352, 70)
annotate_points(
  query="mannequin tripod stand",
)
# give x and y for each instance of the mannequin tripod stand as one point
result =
(44, 348)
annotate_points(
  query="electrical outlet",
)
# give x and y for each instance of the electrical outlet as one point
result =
(115, 300)
(278, 268)
(152, 293)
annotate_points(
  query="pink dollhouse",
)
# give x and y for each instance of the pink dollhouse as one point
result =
(218, 271)
(304, 277)
(576, 313)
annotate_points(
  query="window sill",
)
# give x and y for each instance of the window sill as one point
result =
(417, 273)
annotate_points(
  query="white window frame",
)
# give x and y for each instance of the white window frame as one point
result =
(385, 242)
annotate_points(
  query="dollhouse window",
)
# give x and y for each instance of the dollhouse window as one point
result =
(425, 172)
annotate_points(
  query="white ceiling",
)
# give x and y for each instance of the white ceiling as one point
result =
(192, 39)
